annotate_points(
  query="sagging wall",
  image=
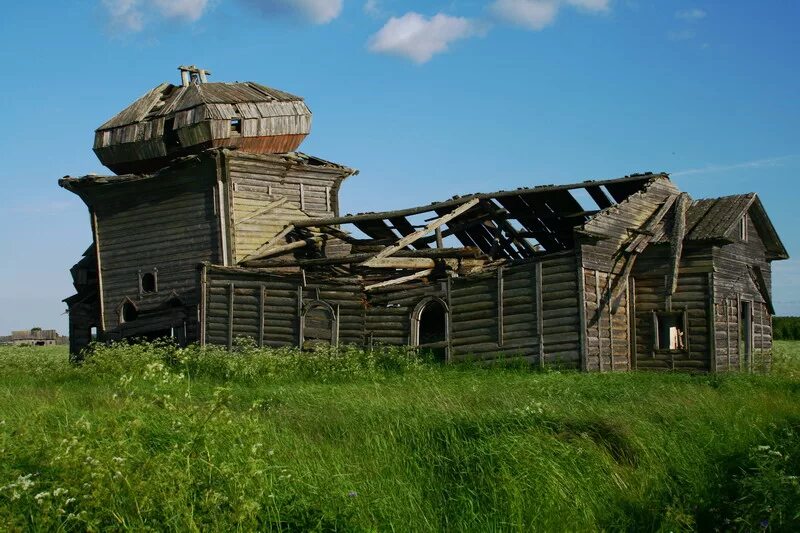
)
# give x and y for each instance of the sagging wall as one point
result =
(168, 224)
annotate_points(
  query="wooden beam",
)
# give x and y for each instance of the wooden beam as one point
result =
(645, 233)
(278, 250)
(500, 310)
(404, 263)
(408, 239)
(539, 312)
(405, 227)
(231, 294)
(398, 281)
(635, 182)
(506, 226)
(599, 196)
(270, 243)
(676, 242)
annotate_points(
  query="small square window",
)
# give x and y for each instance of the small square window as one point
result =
(236, 126)
(148, 282)
(670, 331)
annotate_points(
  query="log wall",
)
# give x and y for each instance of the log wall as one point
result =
(168, 223)
(269, 308)
(693, 294)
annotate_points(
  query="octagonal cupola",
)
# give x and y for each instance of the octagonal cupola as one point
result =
(172, 121)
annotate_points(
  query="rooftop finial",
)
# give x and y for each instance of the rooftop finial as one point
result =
(192, 74)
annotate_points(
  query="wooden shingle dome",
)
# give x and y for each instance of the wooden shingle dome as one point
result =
(173, 121)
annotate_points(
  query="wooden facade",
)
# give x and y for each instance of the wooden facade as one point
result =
(604, 276)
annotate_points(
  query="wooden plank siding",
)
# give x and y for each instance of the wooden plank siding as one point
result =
(267, 308)
(733, 283)
(388, 312)
(297, 190)
(169, 224)
(608, 324)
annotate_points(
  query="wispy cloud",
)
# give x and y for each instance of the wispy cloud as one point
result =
(419, 38)
(372, 7)
(685, 34)
(691, 14)
(132, 15)
(315, 11)
(538, 14)
(41, 208)
(758, 163)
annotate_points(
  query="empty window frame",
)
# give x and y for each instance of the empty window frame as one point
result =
(743, 228)
(171, 138)
(148, 282)
(670, 331)
(128, 312)
(236, 126)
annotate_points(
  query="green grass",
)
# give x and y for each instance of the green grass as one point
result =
(152, 437)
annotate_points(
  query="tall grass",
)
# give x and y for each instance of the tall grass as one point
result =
(156, 437)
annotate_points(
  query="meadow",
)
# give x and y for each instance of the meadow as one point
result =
(154, 437)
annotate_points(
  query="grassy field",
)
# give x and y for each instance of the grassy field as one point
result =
(153, 437)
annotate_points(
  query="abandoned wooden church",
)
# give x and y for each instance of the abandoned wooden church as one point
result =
(215, 227)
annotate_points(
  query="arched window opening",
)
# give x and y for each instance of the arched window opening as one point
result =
(129, 313)
(319, 326)
(429, 325)
(149, 282)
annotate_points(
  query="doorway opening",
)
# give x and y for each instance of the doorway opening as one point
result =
(746, 334)
(430, 325)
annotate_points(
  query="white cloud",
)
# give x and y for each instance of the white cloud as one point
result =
(189, 10)
(372, 7)
(132, 15)
(124, 14)
(591, 5)
(691, 14)
(757, 163)
(538, 14)
(419, 38)
(316, 11)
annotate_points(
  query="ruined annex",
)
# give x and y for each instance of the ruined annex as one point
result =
(214, 227)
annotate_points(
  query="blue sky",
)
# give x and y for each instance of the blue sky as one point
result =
(428, 99)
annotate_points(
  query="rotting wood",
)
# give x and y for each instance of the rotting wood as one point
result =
(398, 281)
(676, 242)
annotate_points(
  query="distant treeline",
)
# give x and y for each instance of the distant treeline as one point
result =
(786, 328)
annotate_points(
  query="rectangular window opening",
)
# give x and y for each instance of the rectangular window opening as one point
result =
(743, 228)
(670, 329)
(236, 126)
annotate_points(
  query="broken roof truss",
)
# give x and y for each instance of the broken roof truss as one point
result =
(461, 234)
